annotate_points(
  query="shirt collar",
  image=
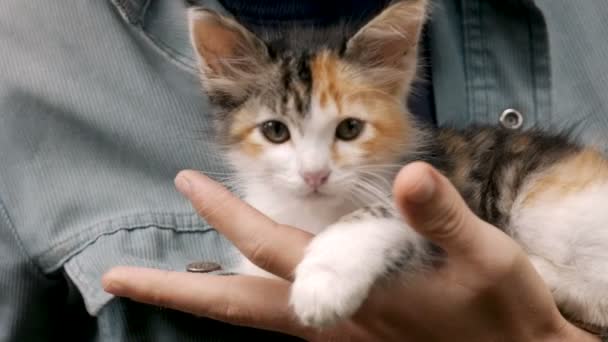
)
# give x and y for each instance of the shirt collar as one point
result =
(131, 10)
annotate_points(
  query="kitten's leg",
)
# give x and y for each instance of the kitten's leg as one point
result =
(344, 261)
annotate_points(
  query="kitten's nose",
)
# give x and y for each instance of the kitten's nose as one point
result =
(315, 179)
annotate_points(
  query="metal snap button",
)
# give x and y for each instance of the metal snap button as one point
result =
(511, 119)
(203, 267)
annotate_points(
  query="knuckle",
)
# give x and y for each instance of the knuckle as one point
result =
(233, 313)
(261, 251)
(229, 306)
(259, 254)
(201, 208)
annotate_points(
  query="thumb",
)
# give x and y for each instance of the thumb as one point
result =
(433, 207)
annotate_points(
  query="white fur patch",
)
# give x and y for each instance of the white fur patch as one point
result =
(567, 240)
(341, 266)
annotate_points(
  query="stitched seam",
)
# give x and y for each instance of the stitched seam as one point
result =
(89, 242)
(142, 13)
(465, 56)
(486, 72)
(132, 14)
(474, 59)
(532, 49)
(164, 52)
(89, 285)
(118, 220)
(177, 59)
(80, 278)
(541, 64)
(171, 53)
(11, 226)
(120, 6)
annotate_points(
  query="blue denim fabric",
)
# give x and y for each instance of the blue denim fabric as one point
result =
(100, 107)
(545, 58)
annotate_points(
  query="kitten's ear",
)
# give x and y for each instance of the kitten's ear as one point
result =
(231, 58)
(390, 39)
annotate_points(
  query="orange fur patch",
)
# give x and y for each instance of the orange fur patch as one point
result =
(327, 84)
(392, 129)
(251, 148)
(573, 174)
(340, 84)
(241, 130)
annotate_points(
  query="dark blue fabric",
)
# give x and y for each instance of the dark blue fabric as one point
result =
(422, 100)
(320, 12)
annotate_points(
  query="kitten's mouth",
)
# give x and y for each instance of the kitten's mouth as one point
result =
(316, 194)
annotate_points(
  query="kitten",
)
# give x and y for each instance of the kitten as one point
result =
(317, 134)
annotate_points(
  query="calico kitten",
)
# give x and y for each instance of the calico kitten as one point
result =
(317, 134)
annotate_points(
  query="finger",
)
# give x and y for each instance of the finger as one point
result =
(436, 210)
(241, 300)
(273, 247)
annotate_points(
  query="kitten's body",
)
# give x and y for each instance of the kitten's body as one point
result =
(287, 118)
(541, 189)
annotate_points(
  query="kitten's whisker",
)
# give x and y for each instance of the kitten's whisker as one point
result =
(373, 192)
(383, 180)
(355, 198)
(376, 186)
(366, 199)
(221, 173)
(379, 166)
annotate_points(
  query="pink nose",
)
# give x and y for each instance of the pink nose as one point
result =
(315, 179)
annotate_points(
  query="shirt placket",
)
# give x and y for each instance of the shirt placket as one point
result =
(506, 63)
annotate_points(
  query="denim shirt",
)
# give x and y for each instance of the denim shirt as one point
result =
(100, 107)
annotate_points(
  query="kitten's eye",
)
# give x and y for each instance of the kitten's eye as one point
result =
(349, 129)
(275, 131)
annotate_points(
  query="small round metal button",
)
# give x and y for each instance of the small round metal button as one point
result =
(511, 119)
(203, 267)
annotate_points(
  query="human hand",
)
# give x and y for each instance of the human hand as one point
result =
(486, 290)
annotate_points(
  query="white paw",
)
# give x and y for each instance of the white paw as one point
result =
(320, 296)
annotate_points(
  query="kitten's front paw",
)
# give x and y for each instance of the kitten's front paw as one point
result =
(320, 296)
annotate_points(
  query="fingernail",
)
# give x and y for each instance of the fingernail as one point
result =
(110, 284)
(424, 189)
(112, 287)
(182, 183)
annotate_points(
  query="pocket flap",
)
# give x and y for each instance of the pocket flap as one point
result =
(151, 246)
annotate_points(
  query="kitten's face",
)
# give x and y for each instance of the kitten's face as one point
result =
(319, 124)
(321, 134)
